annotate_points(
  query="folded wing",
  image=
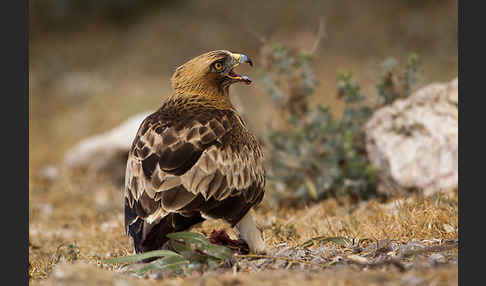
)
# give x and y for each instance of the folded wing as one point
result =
(210, 154)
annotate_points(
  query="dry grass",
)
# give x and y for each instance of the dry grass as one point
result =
(402, 219)
(79, 218)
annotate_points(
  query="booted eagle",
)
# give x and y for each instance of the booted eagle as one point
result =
(194, 158)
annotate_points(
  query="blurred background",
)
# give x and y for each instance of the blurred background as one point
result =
(95, 63)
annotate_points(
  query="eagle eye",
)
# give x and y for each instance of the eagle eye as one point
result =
(218, 66)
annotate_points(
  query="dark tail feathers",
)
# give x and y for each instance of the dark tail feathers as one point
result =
(156, 237)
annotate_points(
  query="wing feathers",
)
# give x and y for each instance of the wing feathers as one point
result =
(170, 165)
(169, 183)
(149, 164)
(176, 198)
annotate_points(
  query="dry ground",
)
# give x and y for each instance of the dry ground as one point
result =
(81, 221)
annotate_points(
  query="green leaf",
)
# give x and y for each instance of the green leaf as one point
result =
(213, 263)
(202, 244)
(187, 251)
(181, 247)
(312, 189)
(142, 256)
(174, 262)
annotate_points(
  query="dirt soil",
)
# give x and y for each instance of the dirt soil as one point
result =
(89, 80)
(412, 241)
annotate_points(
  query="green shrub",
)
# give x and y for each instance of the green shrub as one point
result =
(317, 155)
(393, 85)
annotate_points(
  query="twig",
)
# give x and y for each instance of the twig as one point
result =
(343, 241)
(321, 34)
(279, 257)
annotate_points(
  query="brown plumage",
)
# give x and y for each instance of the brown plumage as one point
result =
(194, 158)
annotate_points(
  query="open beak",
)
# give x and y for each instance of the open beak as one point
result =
(239, 59)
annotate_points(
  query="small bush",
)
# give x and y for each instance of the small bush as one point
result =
(393, 85)
(316, 155)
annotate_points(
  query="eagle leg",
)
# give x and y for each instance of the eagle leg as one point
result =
(251, 234)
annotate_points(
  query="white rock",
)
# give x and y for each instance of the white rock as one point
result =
(49, 172)
(437, 257)
(358, 259)
(414, 141)
(100, 150)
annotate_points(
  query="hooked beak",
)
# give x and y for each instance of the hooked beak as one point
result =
(239, 59)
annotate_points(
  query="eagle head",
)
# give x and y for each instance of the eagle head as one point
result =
(210, 73)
